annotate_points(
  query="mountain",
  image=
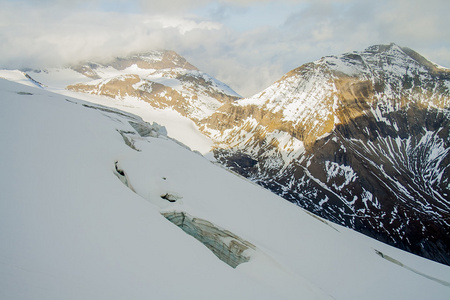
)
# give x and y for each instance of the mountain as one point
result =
(99, 204)
(162, 78)
(361, 139)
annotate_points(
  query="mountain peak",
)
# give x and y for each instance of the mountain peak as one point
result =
(156, 59)
(359, 138)
(390, 58)
(152, 60)
(317, 96)
(162, 78)
(383, 48)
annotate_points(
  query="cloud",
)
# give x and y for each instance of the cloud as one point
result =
(247, 44)
(46, 37)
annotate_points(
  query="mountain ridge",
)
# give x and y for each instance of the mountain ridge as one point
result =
(360, 139)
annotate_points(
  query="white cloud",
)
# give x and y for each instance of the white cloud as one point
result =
(43, 37)
(244, 48)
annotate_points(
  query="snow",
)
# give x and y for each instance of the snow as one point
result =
(307, 97)
(170, 82)
(17, 76)
(71, 229)
(178, 127)
(58, 77)
(336, 170)
(338, 64)
(288, 146)
(202, 104)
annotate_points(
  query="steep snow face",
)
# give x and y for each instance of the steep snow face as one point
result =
(84, 188)
(304, 98)
(295, 94)
(371, 136)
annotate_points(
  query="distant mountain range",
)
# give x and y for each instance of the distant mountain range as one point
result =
(361, 139)
(162, 78)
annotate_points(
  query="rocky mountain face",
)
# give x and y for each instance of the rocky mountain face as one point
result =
(361, 139)
(162, 78)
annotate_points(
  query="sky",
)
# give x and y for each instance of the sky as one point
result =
(248, 44)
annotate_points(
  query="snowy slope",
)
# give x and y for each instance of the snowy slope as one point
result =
(159, 85)
(71, 228)
(177, 126)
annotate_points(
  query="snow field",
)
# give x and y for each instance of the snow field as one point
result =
(70, 229)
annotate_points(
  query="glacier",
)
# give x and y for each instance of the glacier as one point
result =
(71, 229)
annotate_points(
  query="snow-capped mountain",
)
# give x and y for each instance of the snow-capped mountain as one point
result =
(99, 204)
(361, 139)
(162, 78)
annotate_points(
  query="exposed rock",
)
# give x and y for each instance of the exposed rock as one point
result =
(33, 80)
(171, 197)
(87, 70)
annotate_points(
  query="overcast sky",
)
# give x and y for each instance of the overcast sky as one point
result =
(248, 44)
